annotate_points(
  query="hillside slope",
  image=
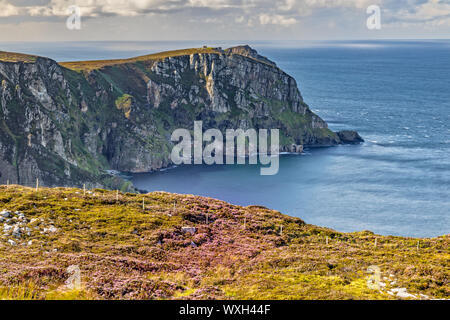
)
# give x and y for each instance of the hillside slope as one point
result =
(68, 124)
(127, 249)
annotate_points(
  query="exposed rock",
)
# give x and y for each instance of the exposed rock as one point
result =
(7, 228)
(128, 110)
(402, 293)
(17, 232)
(350, 137)
(247, 51)
(50, 229)
(5, 214)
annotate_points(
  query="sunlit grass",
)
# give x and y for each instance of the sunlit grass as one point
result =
(130, 246)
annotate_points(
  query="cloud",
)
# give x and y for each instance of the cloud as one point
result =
(433, 13)
(247, 12)
(7, 9)
(434, 9)
(93, 8)
(276, 20)
(140, 7)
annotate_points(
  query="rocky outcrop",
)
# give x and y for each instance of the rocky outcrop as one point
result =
(68, 124)
(350, 137)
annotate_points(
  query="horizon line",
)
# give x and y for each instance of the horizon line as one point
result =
(237, 40)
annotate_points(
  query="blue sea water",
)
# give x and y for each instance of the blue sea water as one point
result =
(395, 93)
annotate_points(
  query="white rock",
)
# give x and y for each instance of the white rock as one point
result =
(190, 230)
(403, 293)
(12, 242)
(51, 229)
(17, 232)
(5, 214)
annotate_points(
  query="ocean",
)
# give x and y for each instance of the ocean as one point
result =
(396, 94)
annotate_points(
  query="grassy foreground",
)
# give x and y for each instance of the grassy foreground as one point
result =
(130, 246)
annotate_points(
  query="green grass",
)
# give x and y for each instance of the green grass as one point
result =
(98, 64)
(124, 103)
(126, 251)
(17, 57)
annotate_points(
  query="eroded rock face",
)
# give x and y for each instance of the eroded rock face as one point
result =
(68, 127)
(350, 137)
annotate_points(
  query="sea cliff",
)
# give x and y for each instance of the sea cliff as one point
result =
(67, 124)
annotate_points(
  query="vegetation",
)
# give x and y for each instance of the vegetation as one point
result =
(98, 64)
(17, 57)
(132, 246)
(124, 103)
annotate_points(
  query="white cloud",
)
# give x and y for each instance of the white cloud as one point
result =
(430, 14)
(137, 7)
(277, 20)
(249, 13)
(433, 9)
(7, 9)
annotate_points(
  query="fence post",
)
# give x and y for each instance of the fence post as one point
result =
(37, 184)
(327, 240)
(281, 230)
(375, 243)
(143, 203)
(84, 190)
(117, 195)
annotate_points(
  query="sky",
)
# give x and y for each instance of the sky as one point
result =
(156, 20)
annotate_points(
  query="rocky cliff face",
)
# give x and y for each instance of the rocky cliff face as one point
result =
(67, 124)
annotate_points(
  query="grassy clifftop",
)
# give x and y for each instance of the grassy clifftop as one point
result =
(98, 64)
(89, 66)
(17, 57)
(130, 246)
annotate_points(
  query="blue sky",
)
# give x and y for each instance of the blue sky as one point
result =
(45, 20)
